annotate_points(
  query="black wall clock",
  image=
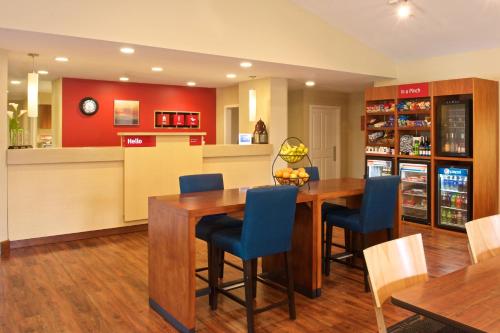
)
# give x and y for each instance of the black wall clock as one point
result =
(89, 106)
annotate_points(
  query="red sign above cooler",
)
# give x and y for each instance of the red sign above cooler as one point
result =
(139, 141)
(413, 90)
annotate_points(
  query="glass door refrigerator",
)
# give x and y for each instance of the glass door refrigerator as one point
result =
(379, 166)
(415, 191)
(454, 196)
(454, 125)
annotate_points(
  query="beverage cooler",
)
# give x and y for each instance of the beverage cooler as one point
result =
(454, 125)
(454, 196)
(379, 166)
(415, 191)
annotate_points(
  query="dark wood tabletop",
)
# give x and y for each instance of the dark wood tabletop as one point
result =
(468, 298)
(223, 201)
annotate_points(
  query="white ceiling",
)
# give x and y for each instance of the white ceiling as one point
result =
(101, 60)
(437, 27)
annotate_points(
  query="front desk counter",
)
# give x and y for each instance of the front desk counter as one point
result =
(58, 191)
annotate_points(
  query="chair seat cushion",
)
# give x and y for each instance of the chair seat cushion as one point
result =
(345, 218)
(228, 240)
(329, 208)
(212, 223)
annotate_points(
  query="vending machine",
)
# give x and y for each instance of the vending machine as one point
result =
(454, 195)
(415, 191)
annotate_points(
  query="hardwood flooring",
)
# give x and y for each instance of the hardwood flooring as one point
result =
(100, 285)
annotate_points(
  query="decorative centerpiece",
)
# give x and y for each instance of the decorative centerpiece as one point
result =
(260, 133)
(292, 151)
(16, 132)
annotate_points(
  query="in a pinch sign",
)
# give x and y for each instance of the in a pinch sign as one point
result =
(413, 90)
(139, 141)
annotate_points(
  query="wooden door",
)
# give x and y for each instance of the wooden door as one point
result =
(324, 140)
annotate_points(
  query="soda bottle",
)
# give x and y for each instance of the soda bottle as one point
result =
(455, 184)
(458, 201)
(443, 216)
(461, 184)
(445, 182)
(464, 184)
(448, 216)
(459, 217)
(464, 201)
(453, 200)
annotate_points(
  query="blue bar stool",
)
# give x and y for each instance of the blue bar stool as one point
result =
(211, 223)
(376, 214)
(267, 230)
(327, 208)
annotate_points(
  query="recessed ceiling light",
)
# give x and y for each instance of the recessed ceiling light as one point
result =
(157, 69)
(404, 10)
(191, 83)
(127, 50)
(43, 72)
(16, 82)
(124, 78)
(231, 76)
(62, 59)
(246, 64)
(310, 83)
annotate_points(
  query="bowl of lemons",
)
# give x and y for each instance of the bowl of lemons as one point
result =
(289, 176)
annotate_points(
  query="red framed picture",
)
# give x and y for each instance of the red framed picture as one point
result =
(192, 120)
(179, 120)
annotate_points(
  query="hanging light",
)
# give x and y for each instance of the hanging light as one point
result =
(252, 104)
(33, 90)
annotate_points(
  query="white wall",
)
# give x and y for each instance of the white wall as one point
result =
(3, 145)
(276, 31)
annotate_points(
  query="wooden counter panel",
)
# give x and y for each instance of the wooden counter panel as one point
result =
(381, 93)
(452, 87)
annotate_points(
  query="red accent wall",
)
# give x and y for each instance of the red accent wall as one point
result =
(79, 130)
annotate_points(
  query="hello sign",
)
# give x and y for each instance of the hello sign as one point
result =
(413, 90)
(139, 141)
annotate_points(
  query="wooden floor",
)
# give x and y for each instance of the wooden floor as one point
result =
(100, 285)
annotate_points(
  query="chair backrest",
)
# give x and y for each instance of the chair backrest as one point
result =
(313, 173)
(201, 183)
(484, 238)
(378, 209)
(268, 221)
(393, 266)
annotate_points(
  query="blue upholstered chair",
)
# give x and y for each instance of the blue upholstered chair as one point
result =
(208, 224)
(377, 213)
(267, 230)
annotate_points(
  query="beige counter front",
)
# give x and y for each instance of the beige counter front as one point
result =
(68, 190)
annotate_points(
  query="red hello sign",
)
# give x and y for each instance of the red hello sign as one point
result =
(413, 90)
(139, 141)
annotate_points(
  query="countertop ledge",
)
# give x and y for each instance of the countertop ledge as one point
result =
(237, 150)
(64, 155)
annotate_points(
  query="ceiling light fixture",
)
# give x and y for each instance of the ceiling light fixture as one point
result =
(127, 50)
(231, 76)
(62, 59)
(191, 83)
(15, 82)
(310, 83)
(33, 89)
(157, 69)
(43, 72)
(124, 78)
(404, 10)
(252, 105)
(246, 64)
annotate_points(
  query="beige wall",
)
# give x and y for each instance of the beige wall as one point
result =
(3, 145)
(228, 96)
(277, 31)
(57, 113)
(263, 91)
(355, 136)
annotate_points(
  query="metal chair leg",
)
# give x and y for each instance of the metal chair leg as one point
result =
(290, 287)
(365, 270)
(348, 245)
(328, 255)
(221, 267)
(248, 277)
(213, 266)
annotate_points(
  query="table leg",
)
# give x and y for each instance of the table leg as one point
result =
(172, 265)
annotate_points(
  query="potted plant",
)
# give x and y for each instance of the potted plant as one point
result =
(15, 128)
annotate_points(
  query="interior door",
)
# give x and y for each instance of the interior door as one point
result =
(324, 140)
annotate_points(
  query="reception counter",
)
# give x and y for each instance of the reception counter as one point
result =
(62, 191)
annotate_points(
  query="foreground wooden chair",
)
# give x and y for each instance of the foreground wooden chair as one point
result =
(393, 266)
(484, 238)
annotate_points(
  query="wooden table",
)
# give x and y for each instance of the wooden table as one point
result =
(172, 221)
(468, 298)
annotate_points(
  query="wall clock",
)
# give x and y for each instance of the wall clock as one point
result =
(89, 106)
